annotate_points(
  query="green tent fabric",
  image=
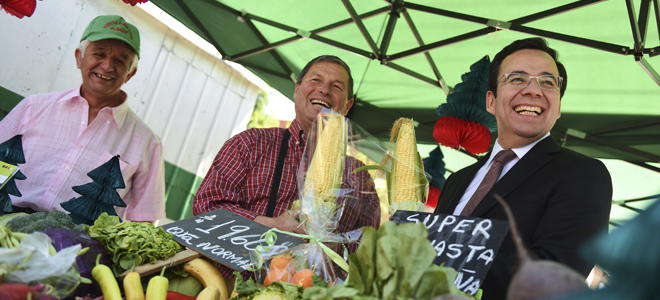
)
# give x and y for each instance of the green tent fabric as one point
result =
(405, 57)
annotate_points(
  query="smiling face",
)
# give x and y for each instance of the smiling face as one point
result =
(105, 67)
(326, 85)
(524, 113)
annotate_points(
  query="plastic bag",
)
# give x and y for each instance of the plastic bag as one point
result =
(337, 198)
(407, 183)
(31, 264)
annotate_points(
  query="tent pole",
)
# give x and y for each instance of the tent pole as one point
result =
(278, 58)
(614, 145)
(648, 68)
(362, 28)
(481, 32)
(637, 36)
(429, 59)
(395, 12)
(209, 37)
(643, 19)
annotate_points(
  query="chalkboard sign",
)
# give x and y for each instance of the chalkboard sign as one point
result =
(466, 244)
(225, 237)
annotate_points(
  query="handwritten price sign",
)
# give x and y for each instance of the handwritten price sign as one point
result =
(466, 244)
(224, 236)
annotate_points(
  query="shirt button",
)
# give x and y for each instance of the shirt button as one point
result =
(83, 122)
(66, 168)
(108, 122)
(52, 189)
(74, 109)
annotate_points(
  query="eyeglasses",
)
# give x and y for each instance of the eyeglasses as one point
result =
(546, 82)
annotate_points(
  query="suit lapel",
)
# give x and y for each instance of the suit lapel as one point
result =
(447, 203)
(536, 158)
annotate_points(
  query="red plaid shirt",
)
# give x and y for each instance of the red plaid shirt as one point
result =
(242, 173)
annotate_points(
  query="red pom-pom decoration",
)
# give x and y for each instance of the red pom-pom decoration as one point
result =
(19, 8)
(432, 198)
(133, 2)
(456, 133)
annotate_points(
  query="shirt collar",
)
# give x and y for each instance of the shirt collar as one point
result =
(520, 151)
(119, 112)
(297, 132)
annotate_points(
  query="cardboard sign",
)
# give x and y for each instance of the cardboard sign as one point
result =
(7, 171)
(225, 237)
(466, 244)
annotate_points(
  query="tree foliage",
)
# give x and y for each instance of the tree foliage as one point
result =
(260, 117)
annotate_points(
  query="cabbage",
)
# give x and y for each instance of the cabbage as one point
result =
(63, 238)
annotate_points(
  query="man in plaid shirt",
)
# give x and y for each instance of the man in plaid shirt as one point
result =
(241, 176)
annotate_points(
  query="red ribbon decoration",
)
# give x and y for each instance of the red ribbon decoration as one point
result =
(456, 133)
(432, 198)
(19, 8)
(133, 2)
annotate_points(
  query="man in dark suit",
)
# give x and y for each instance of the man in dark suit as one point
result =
(559, 197)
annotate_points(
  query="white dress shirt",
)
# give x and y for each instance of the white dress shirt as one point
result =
(520, 152)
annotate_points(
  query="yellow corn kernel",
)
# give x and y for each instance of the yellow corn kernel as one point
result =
(327, 155)
(404, 170)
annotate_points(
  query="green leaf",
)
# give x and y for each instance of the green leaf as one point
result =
(355, 279)
(416, 257)
(319, 281)
(437, 281)
(292, 291)
(365, 254)
(341, 291)
(388, 228)
(369, 167)
(386, 257)
(244, 288)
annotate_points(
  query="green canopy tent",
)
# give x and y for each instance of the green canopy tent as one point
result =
(406, 56)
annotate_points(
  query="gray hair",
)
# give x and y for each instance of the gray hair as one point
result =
(83, 46)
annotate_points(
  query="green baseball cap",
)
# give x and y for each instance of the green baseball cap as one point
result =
(113, 27)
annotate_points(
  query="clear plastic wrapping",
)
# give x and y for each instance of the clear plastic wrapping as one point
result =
(337, 197)
(32, 264)
(408, 186)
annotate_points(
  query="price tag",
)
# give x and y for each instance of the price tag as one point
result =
(225, 237)
(466, 244)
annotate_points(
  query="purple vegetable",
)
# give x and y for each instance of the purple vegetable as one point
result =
(64, 238)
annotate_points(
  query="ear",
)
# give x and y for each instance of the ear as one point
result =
(348, 106)
(295, 91)
(78, 54)
(559, 113)
(490, 102)
(130, 75)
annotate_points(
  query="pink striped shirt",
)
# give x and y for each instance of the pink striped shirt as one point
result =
(61, 148)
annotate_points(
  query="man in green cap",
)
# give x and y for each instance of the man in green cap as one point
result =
(67, 134)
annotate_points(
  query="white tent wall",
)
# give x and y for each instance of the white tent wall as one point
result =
(191, 99)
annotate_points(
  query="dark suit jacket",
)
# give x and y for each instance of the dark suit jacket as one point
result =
(559, 198)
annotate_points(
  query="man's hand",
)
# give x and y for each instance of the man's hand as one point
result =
(285, 221)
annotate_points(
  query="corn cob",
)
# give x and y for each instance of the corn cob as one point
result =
(406, 167)
(325, 170)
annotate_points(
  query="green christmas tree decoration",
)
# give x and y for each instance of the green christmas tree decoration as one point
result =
(434, 165)
(98, 196)
(468, 101)
(11, 152)
(464, 122)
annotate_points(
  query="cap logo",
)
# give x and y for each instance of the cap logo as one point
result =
(117, 28)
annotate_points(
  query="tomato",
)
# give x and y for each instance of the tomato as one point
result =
(303, 277)
(277, 275)
(283, 263)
